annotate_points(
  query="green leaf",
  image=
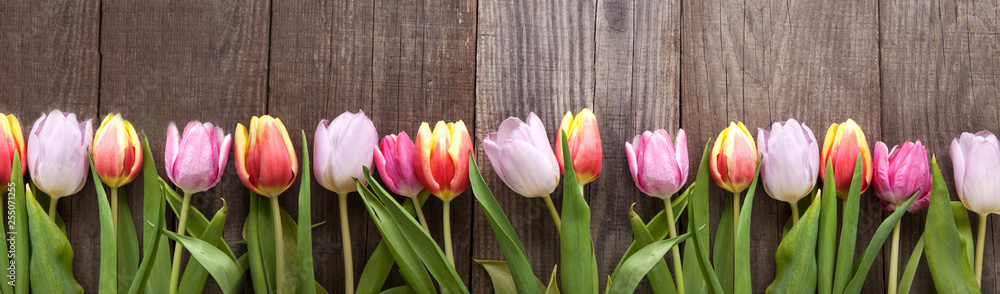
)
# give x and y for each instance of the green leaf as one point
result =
(304, 254)
(641, 262)
(698, 215)
(197, 223)
(128, 245)
(381, 261)
(659, 227)
(944, 246)
(961, 215)
(513, 250)
(500, 276)
(848, 230)
(5, 286)
(827, 233)
(108, 282)
(409, 264)
(659, 274)
(795, 259)
(19, 234)
(262, 279)
(911, 266)
(553, 287)
(722, 249)
(399, 290)
(265, 226)
(707, 272)
(153, 213)
(576, 247)
(52, 256)
(741, 267)
(195, 275)
(223, 269)
(423, 244)
(861, 269)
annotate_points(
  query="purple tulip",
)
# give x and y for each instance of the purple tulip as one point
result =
(196, 161)
(57, 153)
(789, 160)
(394, 161)
(658, 167)
(521, 155)
(900, 173)
(976, 160)
(341, 148)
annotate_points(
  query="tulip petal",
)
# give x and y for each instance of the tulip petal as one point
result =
(527, 174)
(170, 150)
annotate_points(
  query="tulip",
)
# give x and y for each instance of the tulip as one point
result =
(733, 161)
(265, 160)
(442, 165)
(842, 144)
(342, 150)
(394, 162)
(584, 145)
(659, 169)
(13, 143)
(899, 174)
(57, 155)
(194, 163)
(117, 153)
(267, 165)
(976, 160)
(789, 162)
(522, 156)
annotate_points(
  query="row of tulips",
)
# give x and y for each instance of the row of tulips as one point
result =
(787, 158)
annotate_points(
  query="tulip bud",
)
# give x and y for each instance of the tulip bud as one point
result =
(57, 153)
(733, 161)
(842, 144)
(12, 143)
(265, 159)
(900, 173)
(442, 158)
(521, 155)
(584, 145)
(117, 153)
(394, 162)
(341, 150)
(789, 160)
(196, 161)
(658, 167)
(976, 160)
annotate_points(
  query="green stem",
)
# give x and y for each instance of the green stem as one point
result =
(345, 236)
(446, 219)
(420, 211)
(894, 258)
(554, 213)
(795, 212)
(736, 223)
(678, 272)
(52, 208)
(981, 237)
(279, 246)
(114, 209)
(175, 269)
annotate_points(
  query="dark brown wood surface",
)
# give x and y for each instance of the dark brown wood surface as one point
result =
(904, 70)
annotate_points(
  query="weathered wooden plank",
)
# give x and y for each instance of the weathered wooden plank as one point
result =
(181, 61)
(321, 57)
(51, 61)
(531, 57)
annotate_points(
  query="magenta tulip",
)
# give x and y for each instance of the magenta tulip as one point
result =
(900, 173)
(522, 156)
(789, 157)
(57, 153)
(394, 162)
(341, 148)
(196, 161)
(658, 167)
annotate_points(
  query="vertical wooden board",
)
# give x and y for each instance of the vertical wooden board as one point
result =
(321, 57)
(528, 61)
(161, 64)
(51, 61)
(815, 62)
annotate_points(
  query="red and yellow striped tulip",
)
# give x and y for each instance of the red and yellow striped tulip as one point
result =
(11, 143)
(733, 162)
(584, 145)
(265, 159)
(842, 144)
(117, 152)
(442, 158)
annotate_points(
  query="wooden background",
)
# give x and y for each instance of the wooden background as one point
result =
(904, 69)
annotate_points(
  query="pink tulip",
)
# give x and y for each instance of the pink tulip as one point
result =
(658, 167)
(789, 160)
(342, 147)
(900, 173)
(57, 153)
(196, 162)
(976, 160)
(522, 156)
(394, 162)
